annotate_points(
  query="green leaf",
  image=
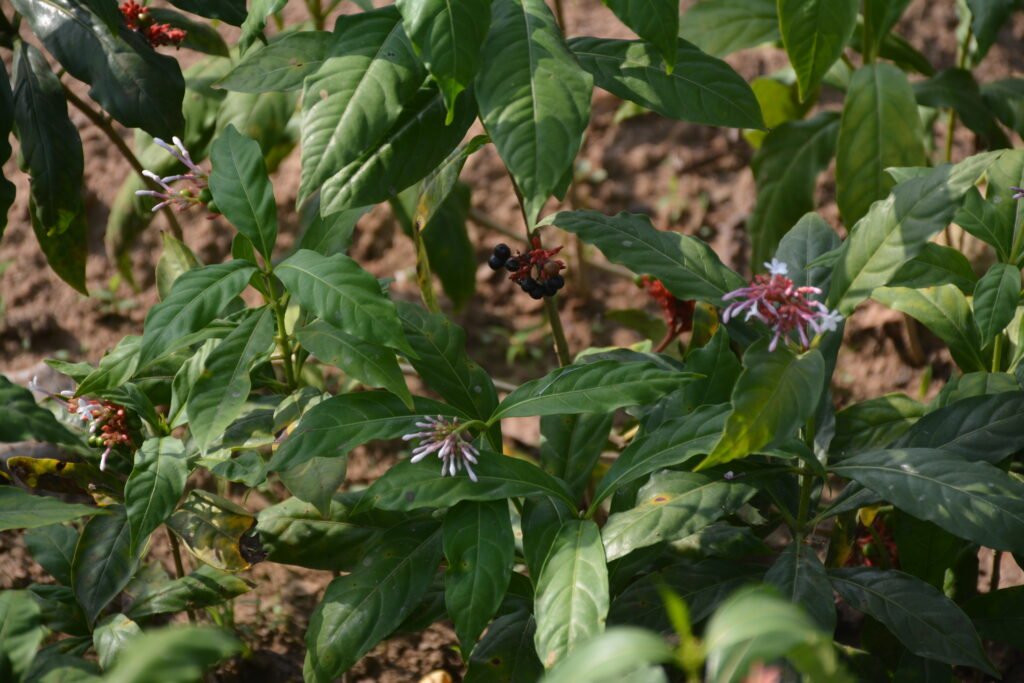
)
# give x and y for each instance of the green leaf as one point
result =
(927, 622)
(21, 510)
(999, 615)
(609, 656)
(156, 484)
(786, 170)
(281, 65)
(51, 149)
(480, 549)
(721, 27)
(197, 297)
(981, 219)
(53, 547)
(451, 253)
(175, 259)
(987, 18)
(880, 128)
(204, 587)
(896, 229)
(735, 641)
(21, 632)
(687, 266)
(316, 480)
(776, 393)
(7, 191)
(336, 289)
(138, 86)
(506, 653)
(230, 11)
(720, 367)
(415, 145)
(242, 190)
(408, 486)
(946, 312)
(810, 239)
(534, 99)
(874, 423)
(957, 89)
(597, 387)
(360, 609)
(447, 37)
(222, 388)
(115, 368)
(212, 528)
(702, 89)
(800, 576)
(176, 654)
(995, 300)
(925, 550)
(104, 561)
(936, 265)
(881, 16)
(328, 235)
(978, 428)
(343, 422)
(65, 253)
(674, 443)
(815, 33)
(357, 95)
(111, 636)
(656, 22)
(437, 186)
(22, 420)
(571, 604)
(572, 444)
(937, 486)
(672, 506)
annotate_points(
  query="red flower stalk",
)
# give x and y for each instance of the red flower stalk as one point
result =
(678, 313)
(139, 20)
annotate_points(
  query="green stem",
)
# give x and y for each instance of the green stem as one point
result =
(316, 13)
(424, 276)
(997, 569)
(997, 353)
(282, 339)
(179, 568)
(104, 124)
(560, 14)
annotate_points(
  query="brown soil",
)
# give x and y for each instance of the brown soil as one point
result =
(687, 177)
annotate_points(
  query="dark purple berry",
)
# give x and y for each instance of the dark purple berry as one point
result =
(512, 264)
(550, 289)
(556, 281)
(502, 251)
(496, 263)
(537, 293)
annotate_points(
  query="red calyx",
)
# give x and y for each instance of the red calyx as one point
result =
(678, 313)
(138, 19)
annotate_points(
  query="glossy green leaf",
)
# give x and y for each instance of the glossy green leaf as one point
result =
(7, 191)
(104, 561)
(896, 229)
(987, 18)
(880, 128)
(21, 632)
(720, 368)
(721, 27)
(437, 186)
(357, 95)
(811, 238)
(447, 37)
(197, 297)
(927, 622)
(981, 219)
(506, 654)
(534, 99)
(925, 550)
(1005, 172)
(880, 16)
(360, 609)
(51, 148)
(815, 33)
(21, 419)
(21, 510)
(800, 576)
(959, 387)
(337, 290)
(138, 86)
(776, 393)
(204, 587)
(65, 252)
(316, 480)
(786, 170)
(874, 423)
(111, 637)
(451, 253)
(230, 11)
(175, 259)
(572, 444)
(222, 388)
(735, 641)
(328, 235)
(999, 615)
(281, 65)
(156, 484)
(596, 387)
(415, 145)
(656, 22)
(937, 486)
(701, 89)
(610, 656)
(480, 549)
(957, 89)
(979, 428)
(176, 654)
(687, 266)
(53, 547)
(408, 486)
(995, 300)
(115, 368)
(945, 311)
(936, 265)
(212, 528)
(572, 599)
(242, 190)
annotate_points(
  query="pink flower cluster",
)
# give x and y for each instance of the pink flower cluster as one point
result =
(196, 178)
(442, 436)
(1018, 192)
(776, 301)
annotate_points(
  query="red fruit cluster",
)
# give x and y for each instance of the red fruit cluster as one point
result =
(678, 313)
(874, 547)
(138, 19)
(107, 421)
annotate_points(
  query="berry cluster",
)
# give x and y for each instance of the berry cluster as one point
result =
(678, 312)
(139, 20)
(536, 272)
(107, 423)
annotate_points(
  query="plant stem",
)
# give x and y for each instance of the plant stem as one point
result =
(997, 569)
(179, 568)
(104, 124)
(316, 13)
(282, 331)
(997, 353)
(560, 15)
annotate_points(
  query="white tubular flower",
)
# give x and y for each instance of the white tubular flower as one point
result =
(441, 435)
(184, 197)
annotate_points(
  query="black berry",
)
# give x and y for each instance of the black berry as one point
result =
(496, 263)
(502, 251)
(556, 281)
(537, 292)
(550, 289)
(512, 264)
